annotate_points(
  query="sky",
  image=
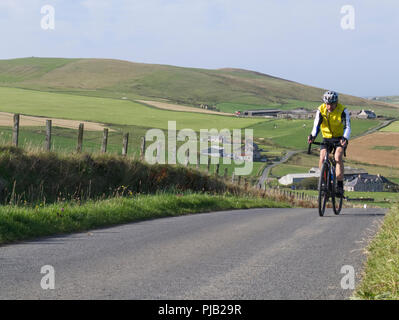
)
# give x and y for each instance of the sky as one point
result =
(309, 41)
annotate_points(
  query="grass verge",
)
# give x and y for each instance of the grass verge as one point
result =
(381, 276)
(21, 223)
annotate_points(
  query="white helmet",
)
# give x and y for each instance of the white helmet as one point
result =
(330, 97)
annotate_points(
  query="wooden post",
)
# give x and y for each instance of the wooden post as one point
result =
(48, 135)
(225, 173)
(197, 165)
(209, 164)
(142, 149)
(15, 132)
(187, 158)
(105, 141)
(217, 169)
(159, 151)
(232, 177)
(80, 138)
(125, 144)
(239, 180)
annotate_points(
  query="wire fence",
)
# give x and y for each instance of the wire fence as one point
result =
(99, 144)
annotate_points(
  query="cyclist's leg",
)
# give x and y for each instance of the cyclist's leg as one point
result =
(323, 151)
(339, 154)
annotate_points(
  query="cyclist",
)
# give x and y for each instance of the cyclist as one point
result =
(333, 120)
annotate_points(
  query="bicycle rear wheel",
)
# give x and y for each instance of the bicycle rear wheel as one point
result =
(323, 189)
(336, 200)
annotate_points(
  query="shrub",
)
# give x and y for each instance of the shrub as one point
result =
(48, 177)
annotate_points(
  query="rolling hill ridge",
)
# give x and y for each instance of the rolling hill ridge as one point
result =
(190, 86)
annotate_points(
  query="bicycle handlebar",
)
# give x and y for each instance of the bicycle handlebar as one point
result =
(332, 144)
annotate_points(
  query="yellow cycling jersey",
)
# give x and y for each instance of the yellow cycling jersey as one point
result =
(333, 124)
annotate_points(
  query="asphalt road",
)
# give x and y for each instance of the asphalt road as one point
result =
(244, 254)
(266, 171)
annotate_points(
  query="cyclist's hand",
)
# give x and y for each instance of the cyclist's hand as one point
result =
(344, 142)
(311, 139)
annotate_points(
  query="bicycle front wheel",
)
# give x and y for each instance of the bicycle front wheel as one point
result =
(323, 189)
(336, 199)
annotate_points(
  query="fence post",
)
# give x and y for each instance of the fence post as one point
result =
(209, 164)
(225, 173)
(80, 138)
(125, 144)
(142, 148)
(232, 177)
(15, 132)
(239, 180)
(48, 135)
(217, 169)
(105, 141)
(197, 165)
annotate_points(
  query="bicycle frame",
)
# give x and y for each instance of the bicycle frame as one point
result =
(328, 180)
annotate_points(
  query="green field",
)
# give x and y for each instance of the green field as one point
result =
(110, 111)
(293, 133)
(393, 127)
(127, 116)
(287, 105)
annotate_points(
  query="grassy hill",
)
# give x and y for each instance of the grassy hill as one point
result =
(116, 79)
(389, 99)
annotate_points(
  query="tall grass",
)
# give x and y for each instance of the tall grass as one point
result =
(19, 222)
(32, 177)
(381, 276)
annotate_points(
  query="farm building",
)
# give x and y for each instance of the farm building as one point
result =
(300, 113)
(366, 114)
(368, 183)
(261, 113)
(349, 172)
(214, 151)
(217, 151)
(296, 177)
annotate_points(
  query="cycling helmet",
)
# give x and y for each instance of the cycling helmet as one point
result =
(330, 97)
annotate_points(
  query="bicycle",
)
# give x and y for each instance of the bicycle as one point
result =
(328, 180)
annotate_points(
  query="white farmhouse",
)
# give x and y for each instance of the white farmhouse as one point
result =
(296, 177)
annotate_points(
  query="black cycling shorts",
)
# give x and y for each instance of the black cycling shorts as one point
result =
(332, 140)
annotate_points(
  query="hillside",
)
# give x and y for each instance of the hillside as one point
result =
(388, 99)
(116, 79)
